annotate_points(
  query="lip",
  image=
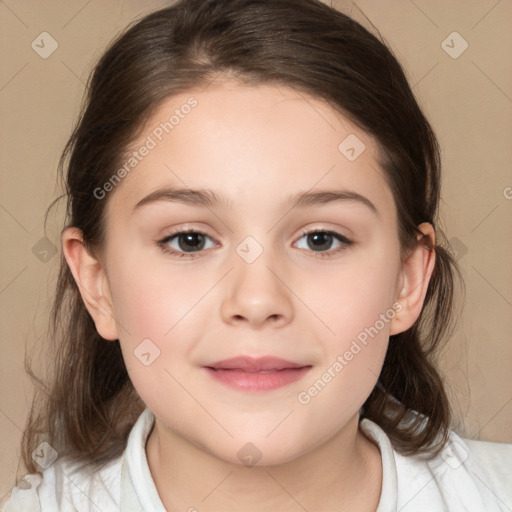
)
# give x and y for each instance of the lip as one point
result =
(256, 374)
(254, 364)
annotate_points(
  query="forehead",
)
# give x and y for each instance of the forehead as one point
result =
(250, 142)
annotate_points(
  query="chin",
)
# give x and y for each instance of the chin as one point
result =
(257, 451)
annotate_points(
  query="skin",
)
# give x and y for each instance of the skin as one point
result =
(257, 145)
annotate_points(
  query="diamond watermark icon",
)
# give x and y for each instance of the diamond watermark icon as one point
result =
(454, 45)
(249, 249)
(44, 455)
(454, 454)
(44, 45)
(459, 248)
(351, 147)
(249, 454)
(146, 352)
(44, 250)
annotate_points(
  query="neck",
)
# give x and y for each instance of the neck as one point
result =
(343, 473)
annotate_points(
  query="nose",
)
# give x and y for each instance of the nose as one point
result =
(257, 295)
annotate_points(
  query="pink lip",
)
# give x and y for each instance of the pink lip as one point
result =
(256, 374)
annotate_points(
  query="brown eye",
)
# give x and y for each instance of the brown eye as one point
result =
(190, 242)
(185, 243)
(322, 242)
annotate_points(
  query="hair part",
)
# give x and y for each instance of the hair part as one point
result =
(89, 406)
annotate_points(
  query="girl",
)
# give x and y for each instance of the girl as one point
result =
(253, 288)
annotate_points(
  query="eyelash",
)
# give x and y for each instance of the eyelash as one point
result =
(164, 243)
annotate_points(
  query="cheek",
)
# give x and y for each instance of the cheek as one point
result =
(162, 317)
(339, 390)
(356, 306)
(354, 298)
(150, 300)
(353, 358)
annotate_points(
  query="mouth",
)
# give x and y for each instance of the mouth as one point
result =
(256, 374)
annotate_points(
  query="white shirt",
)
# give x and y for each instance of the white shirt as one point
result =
(470, 476)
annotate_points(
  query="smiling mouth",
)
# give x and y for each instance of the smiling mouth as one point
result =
(254, 364)
(246, 373)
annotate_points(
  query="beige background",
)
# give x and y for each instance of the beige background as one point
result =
(467, 99)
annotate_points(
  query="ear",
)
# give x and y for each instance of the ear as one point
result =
(414, 279)
(91, 280)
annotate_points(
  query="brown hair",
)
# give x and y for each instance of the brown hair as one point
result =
(90, 405)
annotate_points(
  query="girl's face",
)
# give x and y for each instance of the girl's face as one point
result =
(252, 169)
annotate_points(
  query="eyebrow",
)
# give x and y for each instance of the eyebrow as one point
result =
(211, 199)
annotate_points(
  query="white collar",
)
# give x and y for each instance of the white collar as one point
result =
(139, 493)
(451, 481)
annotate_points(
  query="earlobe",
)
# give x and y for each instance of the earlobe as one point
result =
(91, 280)
(414, 279)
